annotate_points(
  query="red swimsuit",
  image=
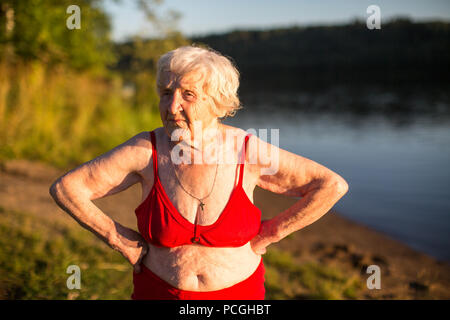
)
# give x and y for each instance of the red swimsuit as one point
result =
(160, 223)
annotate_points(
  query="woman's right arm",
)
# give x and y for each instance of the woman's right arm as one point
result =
(107, 174)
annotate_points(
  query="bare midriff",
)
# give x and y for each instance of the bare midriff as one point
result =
(199, 268)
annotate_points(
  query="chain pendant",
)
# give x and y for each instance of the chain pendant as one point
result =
(195, 238)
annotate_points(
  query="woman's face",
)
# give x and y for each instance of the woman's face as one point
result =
(183, 101)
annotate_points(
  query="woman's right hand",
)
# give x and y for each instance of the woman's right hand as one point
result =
(131, 245)
(135, 255)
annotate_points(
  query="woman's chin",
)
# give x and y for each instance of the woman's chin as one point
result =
(177, 133)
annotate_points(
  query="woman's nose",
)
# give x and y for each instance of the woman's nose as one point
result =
(176, 104)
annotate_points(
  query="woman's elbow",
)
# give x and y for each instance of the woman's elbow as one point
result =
(343, 187)
(55, 189)
(59, 188)
(339, 185)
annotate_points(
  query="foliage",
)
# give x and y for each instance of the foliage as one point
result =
(63, 117)
(39, 33)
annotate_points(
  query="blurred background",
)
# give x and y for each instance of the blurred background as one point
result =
(371, 105)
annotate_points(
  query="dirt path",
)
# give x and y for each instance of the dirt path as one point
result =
(333, 240)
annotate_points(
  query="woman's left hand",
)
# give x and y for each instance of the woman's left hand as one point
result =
(264, 238)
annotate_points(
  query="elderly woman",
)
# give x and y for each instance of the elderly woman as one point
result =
(200, 235)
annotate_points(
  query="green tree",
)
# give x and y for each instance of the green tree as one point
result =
(38, 31)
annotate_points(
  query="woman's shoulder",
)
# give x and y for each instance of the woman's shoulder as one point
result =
(138, 149)
(240, 134)
(234, 131)
(143, 139)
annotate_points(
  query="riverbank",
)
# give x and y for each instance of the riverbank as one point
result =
(327, 259)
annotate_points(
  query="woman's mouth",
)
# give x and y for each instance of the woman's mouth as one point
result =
(176, 123)
(176, 120)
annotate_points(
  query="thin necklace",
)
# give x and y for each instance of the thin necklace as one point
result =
(195, 238)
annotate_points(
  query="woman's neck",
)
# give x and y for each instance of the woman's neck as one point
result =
(201, 141)
(206, 136)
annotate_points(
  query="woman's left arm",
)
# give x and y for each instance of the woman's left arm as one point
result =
(295, 176)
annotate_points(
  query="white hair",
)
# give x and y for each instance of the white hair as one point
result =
(221, 76)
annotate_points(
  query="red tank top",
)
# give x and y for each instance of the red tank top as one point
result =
(160, 223)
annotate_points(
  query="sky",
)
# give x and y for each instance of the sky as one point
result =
(201, 17)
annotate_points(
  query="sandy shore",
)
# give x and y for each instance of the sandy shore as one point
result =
(332, 240)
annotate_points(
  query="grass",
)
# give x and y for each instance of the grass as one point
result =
(35, 255)
(287, 279)
(65, 118)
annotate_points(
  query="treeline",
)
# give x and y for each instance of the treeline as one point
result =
(401, 52)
